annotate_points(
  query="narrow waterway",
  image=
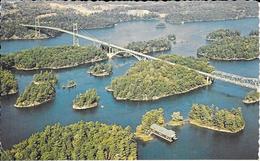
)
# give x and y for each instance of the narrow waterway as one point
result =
(193, 142)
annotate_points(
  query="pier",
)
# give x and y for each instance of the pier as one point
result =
(162, 132)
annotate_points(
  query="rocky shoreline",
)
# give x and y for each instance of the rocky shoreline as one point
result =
(226, 59)
(84, 107)
(33, 104)
(250, 102)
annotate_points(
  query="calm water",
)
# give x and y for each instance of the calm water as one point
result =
(193, 143)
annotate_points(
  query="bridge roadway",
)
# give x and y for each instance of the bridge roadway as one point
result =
(252, 83)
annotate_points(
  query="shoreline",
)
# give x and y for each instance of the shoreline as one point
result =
(158, 97)
(10, 92)
(227, 59)
(192, 122)
(63, 67)
(250, 102)
(33, 105)
(99, 75)
(84, 107)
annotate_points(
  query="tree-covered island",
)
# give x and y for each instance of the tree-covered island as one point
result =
(69, 84)
(229, 121)
(221, 34)
(79, 141)
(177, 119)
(143, 130)
(86, 100)
(231, 48)
(152, 80)
(147, 47)
(252, 97)
(52, 57)
(45, 76)
(100, 70)
(8, 83)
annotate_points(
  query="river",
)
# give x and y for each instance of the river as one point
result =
(193, 142)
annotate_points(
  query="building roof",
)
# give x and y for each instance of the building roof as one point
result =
(163, 130)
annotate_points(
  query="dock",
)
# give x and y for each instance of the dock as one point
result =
(162, 132)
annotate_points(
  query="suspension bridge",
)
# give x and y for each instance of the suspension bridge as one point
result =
(113, 50)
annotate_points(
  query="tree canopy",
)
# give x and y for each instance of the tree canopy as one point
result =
(8, 83)
(86, 99)
(221, 34)
(45, 76)
(79, 141)
(252, 97)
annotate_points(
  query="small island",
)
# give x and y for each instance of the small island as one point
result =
(70, 84)
(100, 70)
(147, 47)
(221, 34)
(252, 97)
(8, 83)
(78, 141)
(177, 119)
(172, 38)
(229, 121)
(53, 57)
(86, 100)
(45, 76)
(36, 94)
(143, 130)
(152, 80)
(231, 48)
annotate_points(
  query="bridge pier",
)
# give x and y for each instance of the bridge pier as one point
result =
(37, 29)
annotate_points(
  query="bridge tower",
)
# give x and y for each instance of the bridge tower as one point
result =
(75, 37)
(37, 29)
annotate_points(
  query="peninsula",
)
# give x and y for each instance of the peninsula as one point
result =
(100, 70)
(86, 100)
(229, 121)
(53, 57)
(45, 76)
(221, 34)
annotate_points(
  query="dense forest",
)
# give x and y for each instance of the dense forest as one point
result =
(36, 94)
(252, 97)
(45, 76)
(201, 64)
(52, 57)
(155, 116)
(79, 141)
(221, 34)
(217, 119)
(8, 83)
(101, 69)
(85, 100)
(151, 80)
(146, 47)
(235, 48)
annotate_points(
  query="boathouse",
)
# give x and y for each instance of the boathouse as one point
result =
(162, 132)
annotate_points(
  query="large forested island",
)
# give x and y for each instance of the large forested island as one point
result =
(86, 100)
(221, 33)
(155, 116)
(8, 83)
(40, 91)
(100, 70)
(52, 57)
(79, 141)
(146, 47)
(152, 80)
(230, 121)
(230, 46)
(252, 97)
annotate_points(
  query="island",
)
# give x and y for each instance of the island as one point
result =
(221, 34)
(177, 119)
(231, 48)
(36, 94)
(229, 121)
(100, 70)
(86, 100)
(252, 97)
(45, 76)
(70, 84)
(53, 57)
(78, 141)
(143, 130)
(147, 47)
(172, 38)
(8, 83)
(152, 80)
